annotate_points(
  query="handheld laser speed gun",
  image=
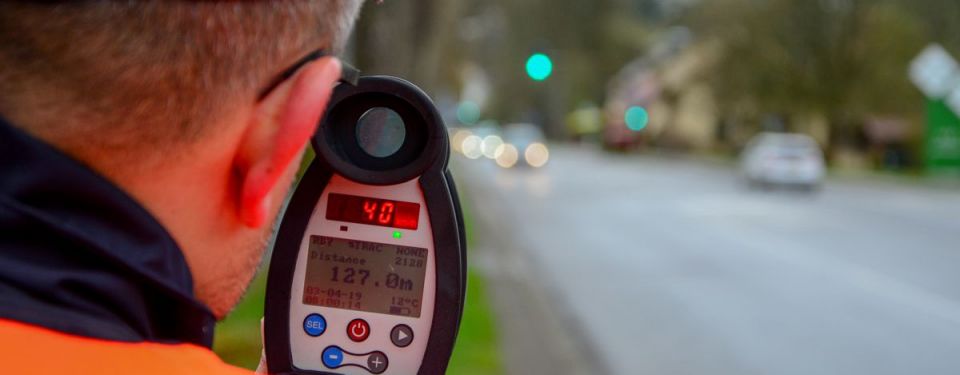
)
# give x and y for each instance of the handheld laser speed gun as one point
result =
(367, 274)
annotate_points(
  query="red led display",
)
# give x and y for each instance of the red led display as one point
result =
(373, 211)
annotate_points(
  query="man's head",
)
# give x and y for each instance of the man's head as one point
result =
(163, 98)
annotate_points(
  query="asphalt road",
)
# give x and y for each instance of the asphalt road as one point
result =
(640, 265)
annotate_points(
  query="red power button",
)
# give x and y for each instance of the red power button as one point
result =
(358, 330)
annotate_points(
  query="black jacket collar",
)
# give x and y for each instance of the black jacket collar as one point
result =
(80, 256)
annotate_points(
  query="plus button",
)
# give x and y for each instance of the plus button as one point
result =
(377, 362)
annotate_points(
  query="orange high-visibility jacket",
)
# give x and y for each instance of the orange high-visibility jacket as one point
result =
(26, 349)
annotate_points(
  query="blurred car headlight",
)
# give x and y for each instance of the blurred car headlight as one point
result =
(456, 142)
(507, 155)
(471, 147)
(536, 154)
(489, 146)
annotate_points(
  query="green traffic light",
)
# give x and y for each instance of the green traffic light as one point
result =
(539, 67)
(636, 118)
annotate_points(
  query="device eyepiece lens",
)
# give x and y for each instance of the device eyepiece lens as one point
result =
(380, 132)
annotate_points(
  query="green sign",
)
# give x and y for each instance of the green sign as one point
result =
(943, 138)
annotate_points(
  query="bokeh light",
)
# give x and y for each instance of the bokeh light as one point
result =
(636, 118)
(471, 147)
(539, 67)
(456, 141)
(468, 112)
(536, 154)
(507, 155)
(489, 146)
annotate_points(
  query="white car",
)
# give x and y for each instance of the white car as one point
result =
(783, 159)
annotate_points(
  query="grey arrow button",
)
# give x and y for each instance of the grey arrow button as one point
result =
(377, 362)
(401, 335)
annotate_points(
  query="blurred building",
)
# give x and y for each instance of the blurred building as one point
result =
(671, 83)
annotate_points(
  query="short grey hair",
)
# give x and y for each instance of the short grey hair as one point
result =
(122, 74)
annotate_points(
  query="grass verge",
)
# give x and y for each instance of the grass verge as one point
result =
(476, 351)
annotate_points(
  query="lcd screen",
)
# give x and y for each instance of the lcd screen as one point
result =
(373, 211)
(365, 276)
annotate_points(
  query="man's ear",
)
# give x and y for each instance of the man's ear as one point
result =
(279, 129)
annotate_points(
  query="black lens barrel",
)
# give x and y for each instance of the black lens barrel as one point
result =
(424, 135)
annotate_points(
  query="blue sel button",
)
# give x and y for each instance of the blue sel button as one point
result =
(332, 357)
(314, 325)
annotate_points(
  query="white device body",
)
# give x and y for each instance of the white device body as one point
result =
(307, 351)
